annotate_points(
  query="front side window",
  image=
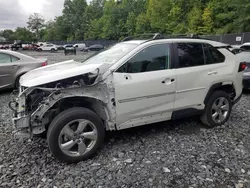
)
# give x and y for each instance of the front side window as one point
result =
(152, 58)
(5, 58)
(190, 54)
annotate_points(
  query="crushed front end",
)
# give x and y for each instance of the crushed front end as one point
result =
(24, 108)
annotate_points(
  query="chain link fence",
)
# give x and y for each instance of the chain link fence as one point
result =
(232, 39)
(87, 42)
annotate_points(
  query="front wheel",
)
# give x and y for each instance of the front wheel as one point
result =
(217, 110)
(75, 135)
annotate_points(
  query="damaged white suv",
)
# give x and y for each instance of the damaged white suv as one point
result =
(132, 83)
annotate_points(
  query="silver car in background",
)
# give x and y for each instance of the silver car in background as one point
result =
(13, 65)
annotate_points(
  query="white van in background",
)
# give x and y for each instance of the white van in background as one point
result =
(80, 45)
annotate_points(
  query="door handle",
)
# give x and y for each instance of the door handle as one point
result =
(15, 66)
(127, 77)
(168, 81)
(212, 72)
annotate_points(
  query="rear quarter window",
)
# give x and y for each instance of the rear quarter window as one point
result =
(213, 55)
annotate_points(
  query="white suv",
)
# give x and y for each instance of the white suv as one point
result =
(47, 47)
(130, 84)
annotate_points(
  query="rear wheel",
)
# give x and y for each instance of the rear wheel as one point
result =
(75, 135)
(217, 110)
(52, 50)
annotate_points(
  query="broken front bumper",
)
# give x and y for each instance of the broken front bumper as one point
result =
(20, 121)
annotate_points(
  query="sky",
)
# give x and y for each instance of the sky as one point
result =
(15, 13)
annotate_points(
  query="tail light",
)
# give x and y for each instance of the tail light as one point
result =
(242, 67)
(44, 63)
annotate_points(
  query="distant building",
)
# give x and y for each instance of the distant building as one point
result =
(2, 39)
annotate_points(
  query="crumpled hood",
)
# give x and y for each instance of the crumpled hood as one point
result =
(55, 72)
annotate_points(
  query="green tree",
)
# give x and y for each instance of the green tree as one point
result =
(23, 34)
(207, 19)
(195, 20)
(36, 23)
(7, 34)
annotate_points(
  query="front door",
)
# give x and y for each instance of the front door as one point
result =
(145, 87)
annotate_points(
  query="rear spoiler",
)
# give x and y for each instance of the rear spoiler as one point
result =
(225, 47)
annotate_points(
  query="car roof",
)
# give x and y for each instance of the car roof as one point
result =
(172, 40)
(245, 44)
(16, 54)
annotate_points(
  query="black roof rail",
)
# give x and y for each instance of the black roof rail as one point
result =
(156, 36)
(146, 36)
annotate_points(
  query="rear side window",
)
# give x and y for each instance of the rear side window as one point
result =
(212, 55)
(13, 59)
(190, 54)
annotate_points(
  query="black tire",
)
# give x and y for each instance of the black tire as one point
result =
(60, 122)
(206, 118)
(52, 50)
(39, 50)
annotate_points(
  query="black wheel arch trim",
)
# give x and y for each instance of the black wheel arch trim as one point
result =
(215, 87)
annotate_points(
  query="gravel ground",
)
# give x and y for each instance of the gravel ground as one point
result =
(169, 154)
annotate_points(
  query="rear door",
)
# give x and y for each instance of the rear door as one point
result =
(8, 69)
(199, 66)
(145, 87)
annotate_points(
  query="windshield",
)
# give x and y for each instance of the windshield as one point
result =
(111, 55)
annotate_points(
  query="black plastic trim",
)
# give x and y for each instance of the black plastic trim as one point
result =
(210, 91)
(184, 113)
(237, 100)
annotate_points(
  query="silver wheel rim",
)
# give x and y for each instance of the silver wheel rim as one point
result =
(220, 110)
(77, 137)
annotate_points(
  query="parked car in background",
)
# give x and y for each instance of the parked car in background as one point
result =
(47, 47)
(69, 49)
(245, 46)
(95, 47)
(5, 46)
(43, 43)
(60, 47)
(17, 45)
(30, 47)
(236, 49)
(244, 56)
(80, 45)
(13, 65)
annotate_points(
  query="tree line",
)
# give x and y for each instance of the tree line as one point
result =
(115, 19)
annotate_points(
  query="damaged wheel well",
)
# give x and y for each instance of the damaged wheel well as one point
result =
(93, 104)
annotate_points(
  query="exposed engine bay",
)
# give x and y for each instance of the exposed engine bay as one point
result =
(40, 104)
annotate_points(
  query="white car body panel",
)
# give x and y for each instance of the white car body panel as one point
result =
(55, 72)
(47, 47)
(193, 83)
(136, 97)
(80, 46)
